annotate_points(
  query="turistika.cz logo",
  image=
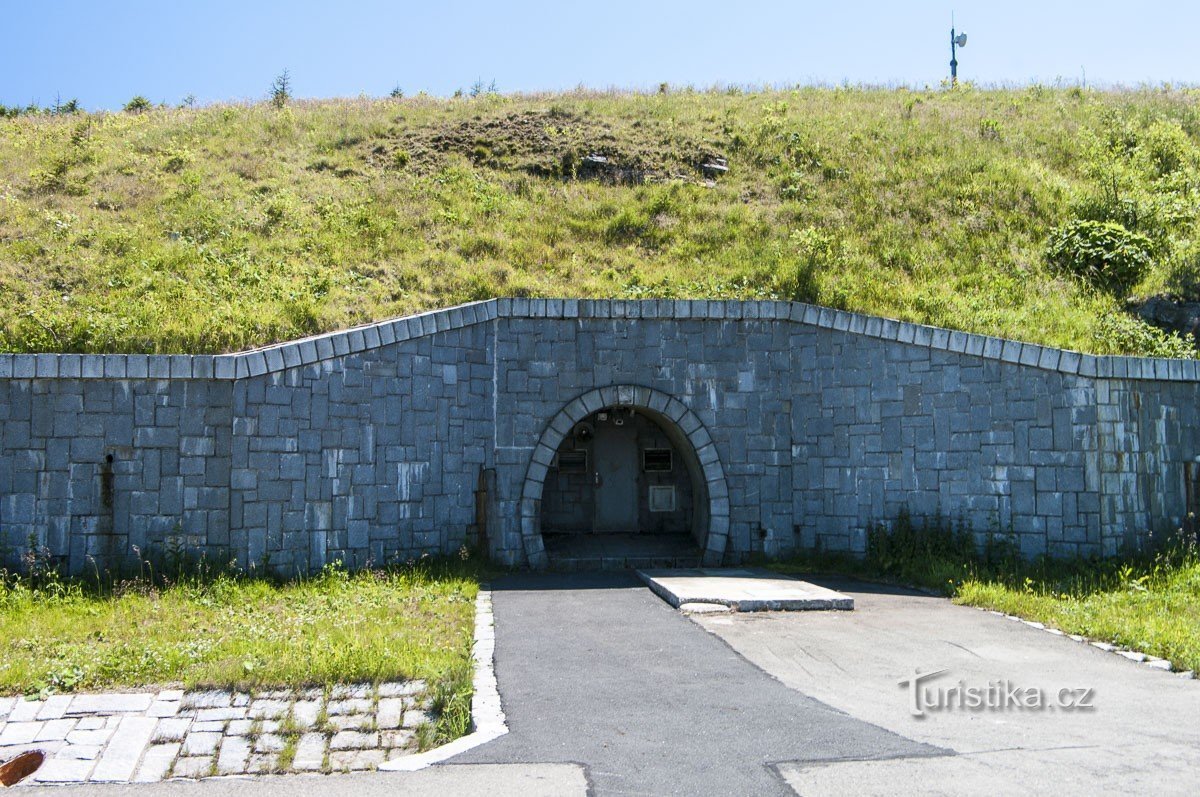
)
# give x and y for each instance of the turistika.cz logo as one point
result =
(998, 695)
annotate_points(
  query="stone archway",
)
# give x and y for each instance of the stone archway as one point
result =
(675, 417)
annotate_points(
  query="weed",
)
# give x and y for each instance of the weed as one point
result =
(450, 694)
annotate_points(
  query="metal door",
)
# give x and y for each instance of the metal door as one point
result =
(614, 450)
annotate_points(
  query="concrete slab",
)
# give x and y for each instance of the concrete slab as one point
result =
(1136, 732)
(742, 590)
(703, 608)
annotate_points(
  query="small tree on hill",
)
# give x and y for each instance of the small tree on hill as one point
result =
(137, 105)
(281, 89)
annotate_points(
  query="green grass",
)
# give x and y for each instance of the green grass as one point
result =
(1148, 602)
(1152, 610)
(236, 631)
(227, 226)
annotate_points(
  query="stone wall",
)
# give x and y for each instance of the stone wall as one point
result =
(371, 444)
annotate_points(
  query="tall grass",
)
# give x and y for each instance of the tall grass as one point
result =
(227, 226)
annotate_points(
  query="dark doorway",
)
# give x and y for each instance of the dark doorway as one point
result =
(620, 493)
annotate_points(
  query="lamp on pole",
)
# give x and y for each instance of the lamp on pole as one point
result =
(955, 42)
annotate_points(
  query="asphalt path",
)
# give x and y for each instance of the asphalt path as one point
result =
(596, 671)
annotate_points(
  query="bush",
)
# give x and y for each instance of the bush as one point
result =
(1103, 253)
(137, 105)
(177, 159)
(1166, 148)
(1121, 333)
(1136, 211)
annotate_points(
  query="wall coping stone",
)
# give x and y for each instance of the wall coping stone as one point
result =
(317, 348)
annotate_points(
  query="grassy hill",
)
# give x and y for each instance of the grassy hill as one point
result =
(223, 227)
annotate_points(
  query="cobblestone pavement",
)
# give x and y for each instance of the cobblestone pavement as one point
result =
(143, 737)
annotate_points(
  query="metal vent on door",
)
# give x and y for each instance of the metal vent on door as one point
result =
(662, 498)
(656, 459)
(570, 462)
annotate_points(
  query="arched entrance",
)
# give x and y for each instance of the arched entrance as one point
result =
(708, 517)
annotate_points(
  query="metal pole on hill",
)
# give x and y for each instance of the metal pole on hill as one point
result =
(953, 61)
(955, 42)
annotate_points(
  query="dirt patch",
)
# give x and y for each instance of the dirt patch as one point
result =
(558, 144)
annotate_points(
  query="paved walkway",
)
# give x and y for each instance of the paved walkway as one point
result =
(145, 737)
(1142, 735)
(596, 670)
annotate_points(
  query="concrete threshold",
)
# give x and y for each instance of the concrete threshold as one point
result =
(742, 590)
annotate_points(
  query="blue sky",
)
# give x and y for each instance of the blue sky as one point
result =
(105, 52)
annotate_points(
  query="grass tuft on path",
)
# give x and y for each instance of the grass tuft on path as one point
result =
(231, 630)
(1149, 602)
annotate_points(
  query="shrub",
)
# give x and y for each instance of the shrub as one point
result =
(1121, 333)
(1166, 148)
(177, 159)
(1134, 210)
(137, 105)
(1103, 253)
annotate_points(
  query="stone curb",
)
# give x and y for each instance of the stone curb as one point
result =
(1136, 656)
(319, 348)
(487, 714)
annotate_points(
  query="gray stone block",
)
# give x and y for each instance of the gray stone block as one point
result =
(224, 367)
(93, 366)
(115, 366)
(159, 366)
(47, 366)
(181, 366)
(137, 366)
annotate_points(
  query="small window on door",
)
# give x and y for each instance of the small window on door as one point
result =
(656, 459)
(662, 498)
(571, 461)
